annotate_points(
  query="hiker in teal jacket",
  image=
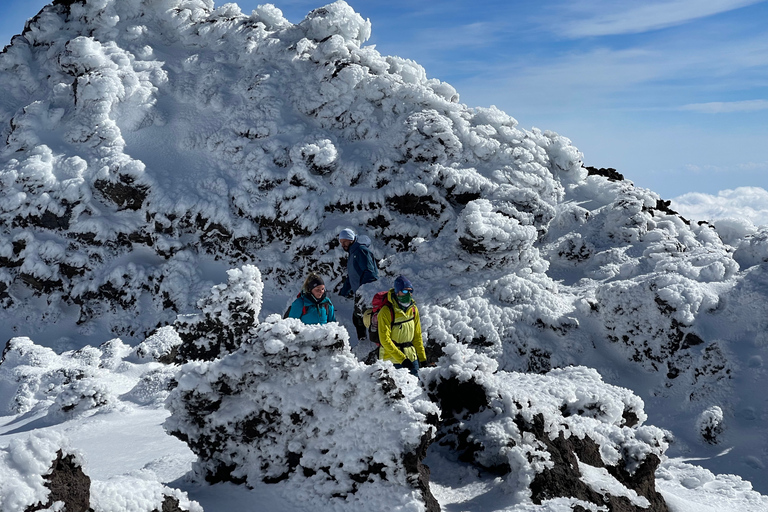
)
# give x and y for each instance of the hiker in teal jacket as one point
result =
(313, 306)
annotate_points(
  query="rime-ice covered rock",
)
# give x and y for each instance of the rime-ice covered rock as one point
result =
(68, 383)
(42, 471)
(710, 424)
(76, 382)
(150, 146)
(161, 346)
(549, 435)
(133, 199)
(139, 491)
(227, 315)
(292, 403)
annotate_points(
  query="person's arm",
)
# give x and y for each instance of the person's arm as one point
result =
(296, 308)
(346, 288)
(332, 313)
(418, 343)
(385, 335)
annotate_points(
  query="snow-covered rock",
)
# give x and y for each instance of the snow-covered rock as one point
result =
(42, 472)
(292, 403)
(549, 435)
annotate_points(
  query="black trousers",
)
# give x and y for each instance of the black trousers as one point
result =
(357, 317)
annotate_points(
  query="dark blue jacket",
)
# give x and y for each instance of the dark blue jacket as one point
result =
(311, 311)
(361, 266)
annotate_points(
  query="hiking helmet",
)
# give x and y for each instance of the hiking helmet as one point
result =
(347, 234)
(402, 283)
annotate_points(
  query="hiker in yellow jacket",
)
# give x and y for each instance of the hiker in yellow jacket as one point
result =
(400, 337)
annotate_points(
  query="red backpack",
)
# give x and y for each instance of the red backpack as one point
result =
(371, 316)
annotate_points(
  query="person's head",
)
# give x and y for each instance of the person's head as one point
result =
(314, 285)
(346, 238)
(403, 290)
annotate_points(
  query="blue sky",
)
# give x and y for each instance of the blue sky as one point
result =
(673, 94)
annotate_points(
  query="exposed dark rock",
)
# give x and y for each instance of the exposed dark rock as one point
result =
(123, 193)
(68, 484)
(414, 466)
(170, 504)
(458, 398)
(423, 206)
(608, 172)
(564, 479)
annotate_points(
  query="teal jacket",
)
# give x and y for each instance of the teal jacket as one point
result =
(312, 311)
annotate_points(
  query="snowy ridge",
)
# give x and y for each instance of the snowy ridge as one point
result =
(171, 171)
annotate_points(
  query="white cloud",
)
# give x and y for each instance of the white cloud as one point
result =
(745, 203)
(724, 107)
(611, 18)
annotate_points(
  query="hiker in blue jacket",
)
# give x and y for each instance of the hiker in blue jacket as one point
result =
(313, 306)
(361, 270)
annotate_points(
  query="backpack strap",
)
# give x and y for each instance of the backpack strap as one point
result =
(392, 312)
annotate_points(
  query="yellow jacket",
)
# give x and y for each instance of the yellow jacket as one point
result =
(404, 331)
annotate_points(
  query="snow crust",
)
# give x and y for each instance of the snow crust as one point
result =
(23, 464)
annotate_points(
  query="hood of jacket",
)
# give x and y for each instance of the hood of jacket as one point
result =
(361, 240)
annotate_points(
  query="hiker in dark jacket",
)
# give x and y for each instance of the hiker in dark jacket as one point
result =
(361, 270)
(313, 306)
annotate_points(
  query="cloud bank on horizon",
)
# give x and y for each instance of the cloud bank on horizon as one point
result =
(743, 204)
(671, 93)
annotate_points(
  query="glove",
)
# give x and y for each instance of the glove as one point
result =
(407, 363)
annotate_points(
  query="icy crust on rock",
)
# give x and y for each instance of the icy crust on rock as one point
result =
(24, 464)
(139, 491)
(226, 316)
(75, 383)
(142, 141)
(532, 428)
(42, 471)
(292, 403)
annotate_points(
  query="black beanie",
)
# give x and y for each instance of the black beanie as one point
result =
(312, 281)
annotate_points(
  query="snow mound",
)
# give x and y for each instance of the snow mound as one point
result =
(292, 403)
(556, 435)
(41, 470)
(28, 474)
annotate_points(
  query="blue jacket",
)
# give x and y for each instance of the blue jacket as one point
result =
(311, 311)
(361, 266)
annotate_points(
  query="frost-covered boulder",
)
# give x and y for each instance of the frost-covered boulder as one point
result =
(563, 434)
(139, 491)
(227, 315)
(161, 346)
(120, 211)
(147, 147)
(292, 403)
(77, 382)
(68, 383)
(41, 471)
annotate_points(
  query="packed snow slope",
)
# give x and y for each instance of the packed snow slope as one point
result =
(149, 147)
